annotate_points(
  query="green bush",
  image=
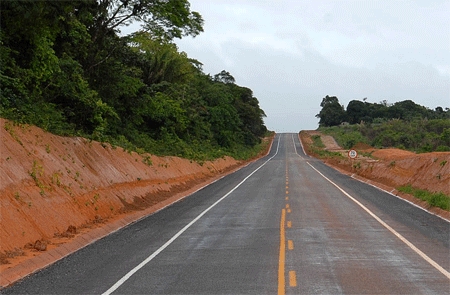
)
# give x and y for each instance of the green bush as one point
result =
(439, 200)
(418, 135)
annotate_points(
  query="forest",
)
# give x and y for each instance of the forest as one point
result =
(403, 124)
(66, 68)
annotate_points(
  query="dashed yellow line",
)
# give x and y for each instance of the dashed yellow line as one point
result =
(292, 279)
(290, 245)
(282, 257)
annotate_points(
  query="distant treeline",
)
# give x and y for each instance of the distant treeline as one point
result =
(404, 124)
(66, 68)
(333, 113)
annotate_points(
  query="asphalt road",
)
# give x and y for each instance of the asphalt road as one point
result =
(285, 224)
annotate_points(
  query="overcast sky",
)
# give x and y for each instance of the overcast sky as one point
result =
(293, 53)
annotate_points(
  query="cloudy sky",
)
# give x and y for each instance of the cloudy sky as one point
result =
(293, 53)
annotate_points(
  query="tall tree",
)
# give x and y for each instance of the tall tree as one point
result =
(332, 112)
(165, 19)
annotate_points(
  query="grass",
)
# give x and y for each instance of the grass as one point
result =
(318, 148)
(147, 160)
(439, 200)
(10, 129)
(317, 141)
(36, 172)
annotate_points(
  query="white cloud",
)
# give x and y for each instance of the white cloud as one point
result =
(293, 53)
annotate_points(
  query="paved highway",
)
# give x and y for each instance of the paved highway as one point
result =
(285, 224)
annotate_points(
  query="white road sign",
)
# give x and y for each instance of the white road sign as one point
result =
(352, 154)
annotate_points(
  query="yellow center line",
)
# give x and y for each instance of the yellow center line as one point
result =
(287, 192)
(287, 206)
(292, 279)
(287, 198)
(288, 210)
(289, 224)
(282, 257)
(290, 245)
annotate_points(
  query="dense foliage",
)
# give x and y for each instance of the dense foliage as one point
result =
(333, 113)
(404, 124)
(66, 68)
(420, 135)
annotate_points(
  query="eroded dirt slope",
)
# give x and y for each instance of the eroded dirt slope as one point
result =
(51, 186)
(392, 167)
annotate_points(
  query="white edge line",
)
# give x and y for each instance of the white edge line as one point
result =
(301, 144)
(293, 141)
(180, 199)
(400, 198)
(373, 185)
(129, 223)
(171, 240)
(393, 231)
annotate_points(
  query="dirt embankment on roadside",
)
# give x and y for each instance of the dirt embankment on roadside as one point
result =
(52, 186)
(391, 168)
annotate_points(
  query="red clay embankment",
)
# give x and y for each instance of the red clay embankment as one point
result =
(391, 168)
(52, 187)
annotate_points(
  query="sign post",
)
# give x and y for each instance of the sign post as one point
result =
(352, 154)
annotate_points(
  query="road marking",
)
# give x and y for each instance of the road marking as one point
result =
(282, 257)
(393, 231)
(288, 210)
(292, 279)
(301, 144)
(290, 245)
(160, 249)
(287, 192)
(289, 224)
(287, 198)
(287, 206)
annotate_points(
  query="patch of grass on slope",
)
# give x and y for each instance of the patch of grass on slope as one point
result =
(439, 200)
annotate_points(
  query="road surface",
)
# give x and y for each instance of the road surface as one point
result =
(285, 224)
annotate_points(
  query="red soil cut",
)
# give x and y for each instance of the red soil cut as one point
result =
(392, 168)
(53, 188)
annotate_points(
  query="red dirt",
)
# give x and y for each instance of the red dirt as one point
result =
(55, 192)
(53, 188)
(392, 168)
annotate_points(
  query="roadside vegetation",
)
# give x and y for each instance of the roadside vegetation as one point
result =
(403, 125)
(67, 69)
(439, 200)
(318, 149)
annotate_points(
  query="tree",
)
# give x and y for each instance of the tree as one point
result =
(65, 68)
(407, 110)
(356, 111)
(224, 77)
(332, 112)
(165, 19)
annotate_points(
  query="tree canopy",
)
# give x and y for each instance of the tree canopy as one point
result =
(403, 124)
(333, 113)
(66, 69)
